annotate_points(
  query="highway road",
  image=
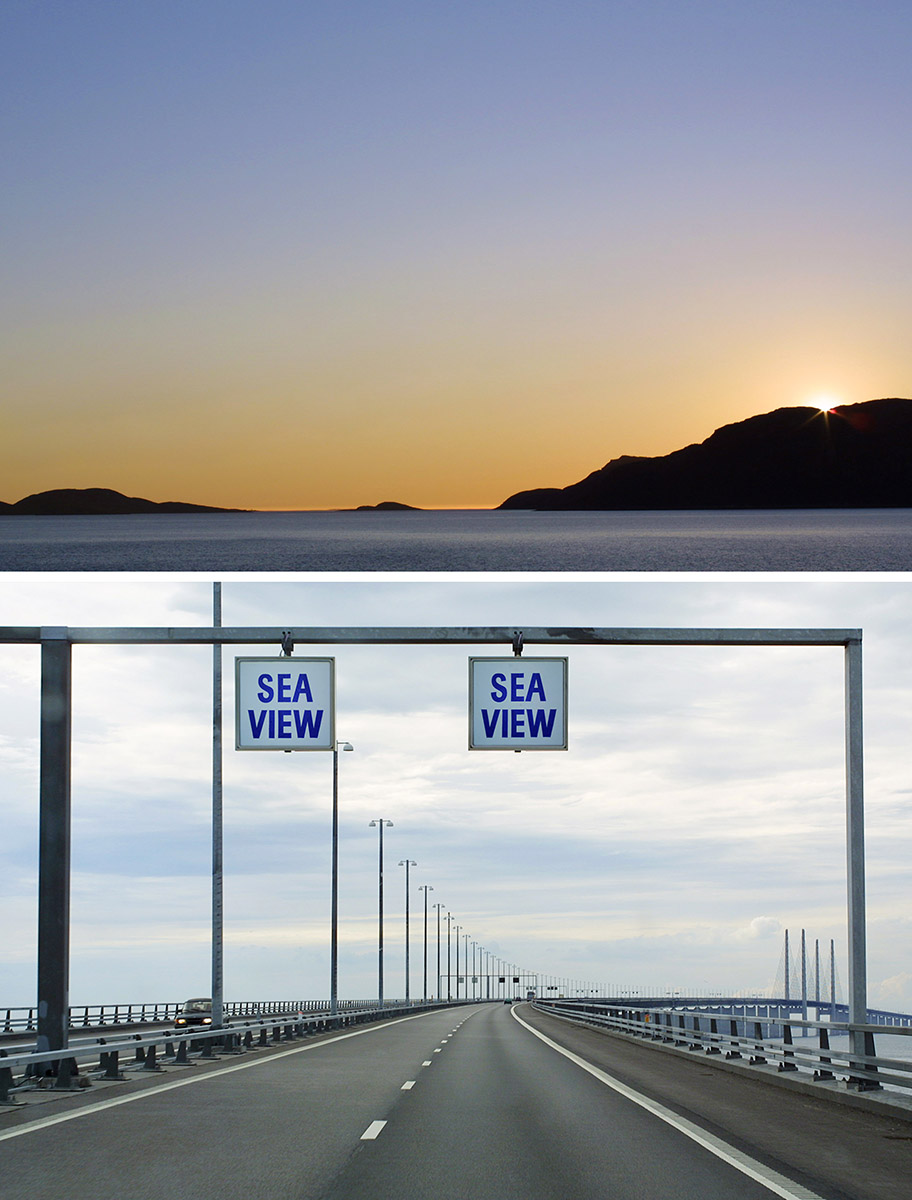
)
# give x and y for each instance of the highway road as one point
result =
(485, 1102)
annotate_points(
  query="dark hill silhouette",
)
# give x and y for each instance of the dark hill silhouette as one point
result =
(61, 502)
(854, 456)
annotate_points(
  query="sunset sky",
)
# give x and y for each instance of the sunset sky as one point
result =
(286, 255)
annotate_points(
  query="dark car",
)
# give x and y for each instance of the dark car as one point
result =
(195, 1012)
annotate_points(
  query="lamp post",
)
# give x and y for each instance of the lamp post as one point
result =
(334, 918)
(407, 862)
(425, 887)
(438, 906)
(457, 962)
(380, 823)
(449, 976)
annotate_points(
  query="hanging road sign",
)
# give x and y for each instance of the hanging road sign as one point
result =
(284, 703)
(517, 703)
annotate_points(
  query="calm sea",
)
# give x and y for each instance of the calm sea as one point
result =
(826, 540)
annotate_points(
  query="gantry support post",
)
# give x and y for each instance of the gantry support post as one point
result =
(858, 970)
(54, 841)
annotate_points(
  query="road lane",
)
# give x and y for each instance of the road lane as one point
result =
(280, 1125)
(502, 1115)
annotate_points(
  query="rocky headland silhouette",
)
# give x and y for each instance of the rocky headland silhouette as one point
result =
(852, 456)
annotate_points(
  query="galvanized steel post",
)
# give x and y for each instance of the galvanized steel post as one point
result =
(217, 838)
(858, 1001)
(334, 890)
(54, 841)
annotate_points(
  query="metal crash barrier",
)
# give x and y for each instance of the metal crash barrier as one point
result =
(100, 1058)
(761, 1041)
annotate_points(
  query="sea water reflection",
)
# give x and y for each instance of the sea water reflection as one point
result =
(816, 540)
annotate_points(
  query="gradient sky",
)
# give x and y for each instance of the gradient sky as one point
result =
(698, 812)
(286, 255)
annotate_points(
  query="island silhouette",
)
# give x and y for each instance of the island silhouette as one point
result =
(851, 456)
(60, 502)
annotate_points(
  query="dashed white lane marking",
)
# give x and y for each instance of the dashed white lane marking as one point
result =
(115, 1102)
(372, 1131)
(426, 1063)
(778, 1184)
(407, 1086)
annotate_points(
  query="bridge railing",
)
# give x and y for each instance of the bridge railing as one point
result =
(762, 1041)
(96, 1016)
(106, 1059)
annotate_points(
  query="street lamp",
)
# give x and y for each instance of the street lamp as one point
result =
(425, 887)
(334, 919)
(449, 976)
(380, 823)
(439, 906)
(407, 862)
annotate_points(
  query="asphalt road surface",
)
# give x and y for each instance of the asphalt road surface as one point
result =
(462, 1104)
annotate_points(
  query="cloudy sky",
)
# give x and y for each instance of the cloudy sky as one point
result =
(698, 812)
(462, 249)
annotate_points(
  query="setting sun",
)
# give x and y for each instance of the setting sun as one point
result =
(825, 403)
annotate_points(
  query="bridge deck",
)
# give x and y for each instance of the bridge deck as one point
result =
(451, 1104)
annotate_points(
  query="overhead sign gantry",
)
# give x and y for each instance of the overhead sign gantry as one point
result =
(56, 675)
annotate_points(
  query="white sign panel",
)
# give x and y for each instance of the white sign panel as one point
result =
(284, 703)
(517, 703)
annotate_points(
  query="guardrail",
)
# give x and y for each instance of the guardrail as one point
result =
(60, 1070)
(93, 1016)
(758, 1041)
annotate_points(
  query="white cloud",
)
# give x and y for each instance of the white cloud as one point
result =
(893, 994)
(760, 927)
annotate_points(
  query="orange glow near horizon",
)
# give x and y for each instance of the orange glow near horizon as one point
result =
(463, 456)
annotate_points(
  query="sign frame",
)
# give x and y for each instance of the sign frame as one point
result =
(324, 740)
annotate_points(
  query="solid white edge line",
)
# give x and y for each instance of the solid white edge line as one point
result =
(45, 1122)
(373, 1131)
(766, 1176)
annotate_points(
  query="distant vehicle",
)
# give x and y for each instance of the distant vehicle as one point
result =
(530, 995)
(195, 1012)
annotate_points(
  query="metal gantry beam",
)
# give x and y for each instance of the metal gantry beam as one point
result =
(430, 635)
(56, 645)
